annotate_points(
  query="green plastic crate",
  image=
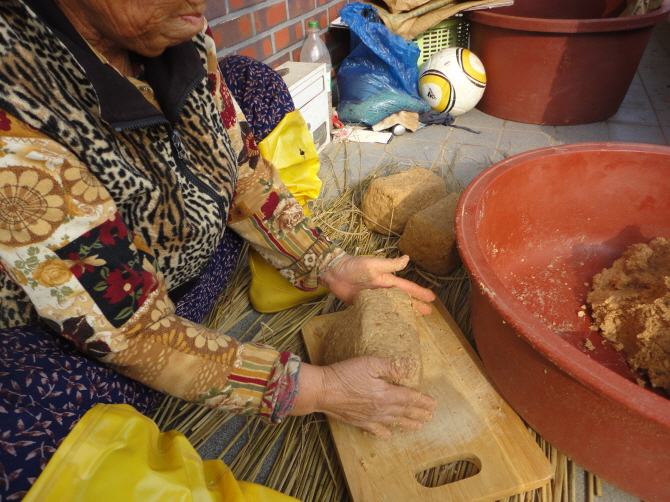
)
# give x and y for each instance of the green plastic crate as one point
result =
(452, 32)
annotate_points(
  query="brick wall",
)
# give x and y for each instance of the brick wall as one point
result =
(273, 31)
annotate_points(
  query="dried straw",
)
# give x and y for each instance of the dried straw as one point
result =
(303, 459)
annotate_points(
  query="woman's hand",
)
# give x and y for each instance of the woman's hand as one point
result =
(354, 392)
(352, 274)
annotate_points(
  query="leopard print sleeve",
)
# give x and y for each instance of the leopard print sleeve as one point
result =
(264, 212)
(93, 281)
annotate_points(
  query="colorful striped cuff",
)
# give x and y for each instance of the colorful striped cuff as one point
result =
(249, 378)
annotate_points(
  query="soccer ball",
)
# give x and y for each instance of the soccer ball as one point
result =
(452, 80)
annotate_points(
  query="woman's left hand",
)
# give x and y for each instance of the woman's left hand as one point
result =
(352, 274)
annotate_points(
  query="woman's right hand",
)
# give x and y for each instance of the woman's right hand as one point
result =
(354, 392)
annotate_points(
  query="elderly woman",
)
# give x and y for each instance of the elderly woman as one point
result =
(124, 165)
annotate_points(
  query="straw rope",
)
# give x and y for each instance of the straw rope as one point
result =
(302, 457)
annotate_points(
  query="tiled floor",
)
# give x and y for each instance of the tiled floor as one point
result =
(461, 155)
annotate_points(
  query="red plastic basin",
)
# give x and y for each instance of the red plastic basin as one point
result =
(532, 231)
(559, 62)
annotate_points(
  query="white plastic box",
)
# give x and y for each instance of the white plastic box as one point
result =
(307, 84)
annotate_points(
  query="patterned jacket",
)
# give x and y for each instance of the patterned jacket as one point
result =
(113, 191)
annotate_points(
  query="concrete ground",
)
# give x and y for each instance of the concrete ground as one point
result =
(461, 155)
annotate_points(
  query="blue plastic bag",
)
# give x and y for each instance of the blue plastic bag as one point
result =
(380, 76)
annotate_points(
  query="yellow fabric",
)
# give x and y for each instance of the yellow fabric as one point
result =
(290, 147)
(115, 453)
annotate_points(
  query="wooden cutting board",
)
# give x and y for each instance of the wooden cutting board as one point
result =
(472, 422)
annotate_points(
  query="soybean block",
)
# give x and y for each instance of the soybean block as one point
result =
(430, 237)
(390, 202)
(381, 323)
